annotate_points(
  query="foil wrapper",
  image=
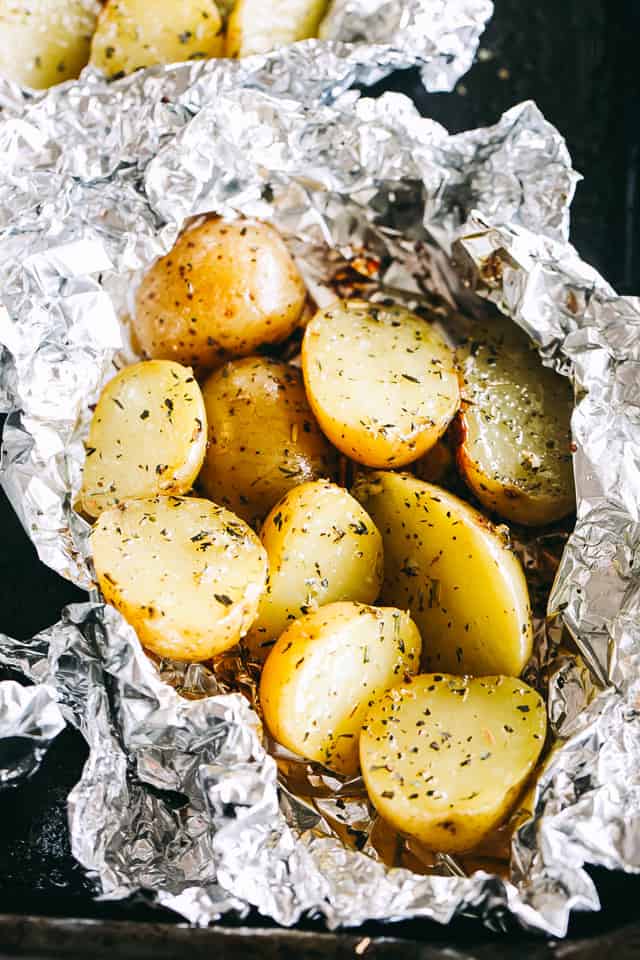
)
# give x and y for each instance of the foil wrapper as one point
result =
(30, 719)
(181, 794)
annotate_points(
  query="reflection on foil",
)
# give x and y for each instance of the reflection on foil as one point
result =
(30, 719)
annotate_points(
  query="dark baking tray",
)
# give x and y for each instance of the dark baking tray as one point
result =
(578, 60)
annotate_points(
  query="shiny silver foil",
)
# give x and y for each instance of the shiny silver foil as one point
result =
(179, 795)
(30, 719)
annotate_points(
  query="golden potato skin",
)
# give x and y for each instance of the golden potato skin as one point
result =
(380, 380)
(323, 547)
(224, 290)
(454, 572)
(326, 670)
(148, 436)
(514, 429)
(186, 573)
(263, 438)
(445, 758)
(43, 42)
(258, 27)
(140, 33)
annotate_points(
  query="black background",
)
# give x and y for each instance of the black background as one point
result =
(578, 59)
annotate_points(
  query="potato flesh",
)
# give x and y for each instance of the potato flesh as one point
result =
(140, 33)
(322, 548)
(187, 574)
(444, 758)
(43, 42)
(324, 673)
(263, 438)
(224, 290)
(148, 436)
(515, 452)
(380, 380)
(257, 27)
(445, 563)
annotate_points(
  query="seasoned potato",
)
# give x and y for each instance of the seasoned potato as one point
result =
(140, 33)
(326, 670)
(43, 42)
(148, 435)
(322, 547)
(515, 434)
(223, 291)
(258, 27)
(438, 464)
(444, 758)
(380, 380)
(187, 574)
(455, 573)
(263, 439)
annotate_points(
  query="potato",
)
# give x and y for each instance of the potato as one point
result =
(263, 439)
(322, 547)
(186, 573)
(514, 429)
(444, 758)
(140, 33)
(258, 27)
(454, 572)
(380, 380)
(326, 670)
(223, 291)
(438, 464)
(43, 42)
(148, 436)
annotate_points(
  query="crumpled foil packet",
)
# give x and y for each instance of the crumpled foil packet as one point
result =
(179, 795)
(30, 719)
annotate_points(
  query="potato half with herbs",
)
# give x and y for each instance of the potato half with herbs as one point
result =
(43, 42)
(445, 758)
(515, 431)
(322, 547)
(380, 380)
(325, 672)
(140, 33)
(224, 290)
(186, 573)
(148, 436)
(454, 572)
(258, 27)
(263, 438)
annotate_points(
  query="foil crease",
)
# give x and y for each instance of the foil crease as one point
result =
(30, 719)
(179, 795)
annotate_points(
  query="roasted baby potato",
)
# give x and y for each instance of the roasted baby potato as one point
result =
(140, 33)
(148, 436)
(258, 27)
(326, 670)
(223, 291)
(514, 427)
(263, 439)
(380, 380)
(454, 572)
(44, 43)
(322, 547)
(444, 758)
(186, 573)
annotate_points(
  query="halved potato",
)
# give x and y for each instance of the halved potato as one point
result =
(187, 574)
(326, 670)
(140, 33)
(258, 27)
(224, 290)
(444, 758)
(455, 573)
(514, 427)
(43, 42)
(148, 436)
(322, 547)
(380, 380)
(263, 438)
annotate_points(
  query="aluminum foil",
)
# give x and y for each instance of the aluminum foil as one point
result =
(179, 795)
(30, 719)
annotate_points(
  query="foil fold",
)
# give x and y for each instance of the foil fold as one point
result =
(180, 795)
(30, 719)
